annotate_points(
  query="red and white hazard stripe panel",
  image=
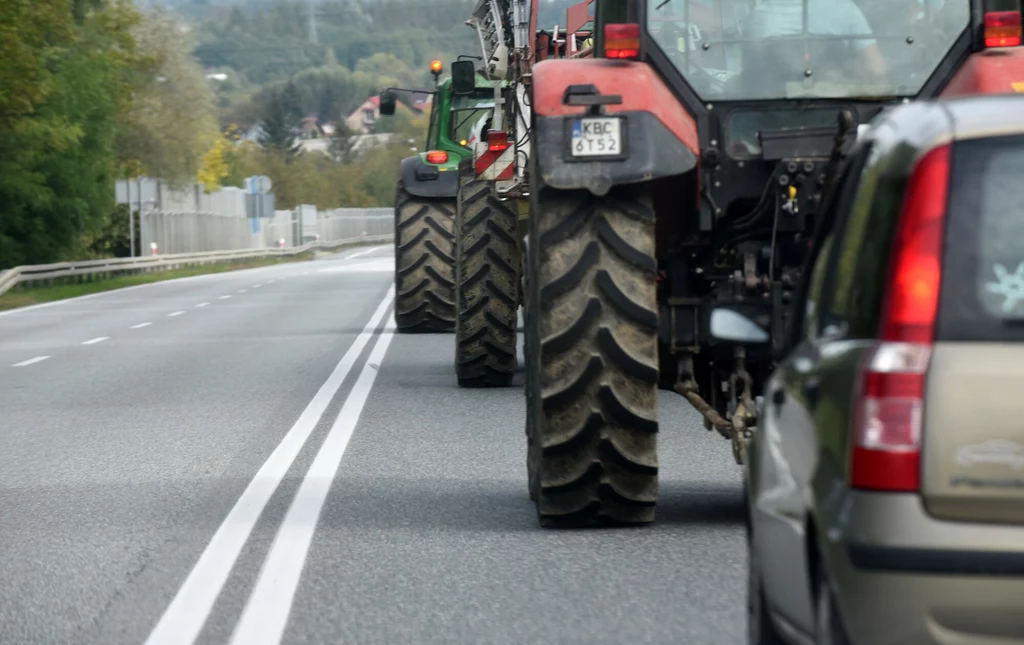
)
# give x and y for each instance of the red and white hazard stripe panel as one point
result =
(495, 165)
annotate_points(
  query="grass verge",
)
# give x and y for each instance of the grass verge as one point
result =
(36, 295)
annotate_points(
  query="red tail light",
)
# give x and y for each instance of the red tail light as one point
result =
(1003, 28)
(437, 157)
(622, 41)
(497, 141)
(889, 412)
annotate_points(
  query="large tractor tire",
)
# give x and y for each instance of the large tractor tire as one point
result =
(592, 358)
(424, 263)
(486, 284)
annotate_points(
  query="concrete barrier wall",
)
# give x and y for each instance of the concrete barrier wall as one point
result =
(196, 232)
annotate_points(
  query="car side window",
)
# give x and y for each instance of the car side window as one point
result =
(834, 213)
(862, 254)
(817, 283)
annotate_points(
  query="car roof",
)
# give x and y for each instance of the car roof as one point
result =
(951, 119)
(920, 126)
(983, 116)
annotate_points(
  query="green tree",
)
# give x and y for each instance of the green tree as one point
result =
(172, 119)
(58, 123)
(276, 125)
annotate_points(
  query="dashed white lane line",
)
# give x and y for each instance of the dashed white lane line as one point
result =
(31, 361)
(96, 340)
(271, 281)
(243, 291)
(266, 614)
(362, 253)
(190, 608)
(224, 297)
(202, 304)
(141, 325)
(256, 286)
(176, 313)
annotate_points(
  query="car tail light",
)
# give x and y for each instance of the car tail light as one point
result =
(622, 41)
(437, 157)
(497, 141)
(889, 411)
(1003, 28)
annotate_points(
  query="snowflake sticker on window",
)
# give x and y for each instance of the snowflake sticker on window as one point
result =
(1008, 285)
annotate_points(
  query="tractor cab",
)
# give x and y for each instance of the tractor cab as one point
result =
(449, 133)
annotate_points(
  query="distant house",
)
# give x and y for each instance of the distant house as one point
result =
(421, 102)
(309, 128)
(256, 134)
(363, 119)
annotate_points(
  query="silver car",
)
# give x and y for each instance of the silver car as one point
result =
(886, 479)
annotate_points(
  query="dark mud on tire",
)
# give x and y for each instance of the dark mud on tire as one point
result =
(424, 264)
(487, 285)
(594, 358)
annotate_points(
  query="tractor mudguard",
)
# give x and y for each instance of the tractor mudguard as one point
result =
(426, 180)
(660, 137)
(993, 71)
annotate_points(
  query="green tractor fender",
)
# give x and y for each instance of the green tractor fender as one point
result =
(422, 178)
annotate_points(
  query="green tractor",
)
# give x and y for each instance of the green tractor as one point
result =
(425, 204)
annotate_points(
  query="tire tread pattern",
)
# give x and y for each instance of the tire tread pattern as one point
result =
(487, 291)
(424, 263)
(595, 338)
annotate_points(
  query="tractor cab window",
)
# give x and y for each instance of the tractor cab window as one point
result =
(471, 117)
(741, 50)
(433, 131)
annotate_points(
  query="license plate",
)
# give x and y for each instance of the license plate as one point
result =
(596, 137)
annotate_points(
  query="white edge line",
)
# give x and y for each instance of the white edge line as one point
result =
(96, 340)
(265, 616)
(191, 606)
(206, 276)
(141, 325)
(31, 361)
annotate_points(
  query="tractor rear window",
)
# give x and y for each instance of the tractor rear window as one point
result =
(741, 50)
(744, 126)
(983, 272)
(471, 117)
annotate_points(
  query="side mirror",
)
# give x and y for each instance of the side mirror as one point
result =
(733, 327)
(463, 77)
(388, 101)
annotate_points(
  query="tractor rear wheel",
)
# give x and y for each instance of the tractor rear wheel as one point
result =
(592, 358)
(424, 263)
(486, 284)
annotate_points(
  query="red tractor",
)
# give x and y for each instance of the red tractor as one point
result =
(681, 169)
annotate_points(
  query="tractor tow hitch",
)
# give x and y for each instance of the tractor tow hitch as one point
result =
(743, 417)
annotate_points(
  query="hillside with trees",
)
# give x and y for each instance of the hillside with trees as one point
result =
(202, 90)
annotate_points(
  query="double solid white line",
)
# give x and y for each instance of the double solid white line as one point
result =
(266, 614)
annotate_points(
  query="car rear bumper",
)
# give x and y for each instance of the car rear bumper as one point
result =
(904, 577)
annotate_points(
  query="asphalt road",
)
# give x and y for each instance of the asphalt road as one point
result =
(256, 458)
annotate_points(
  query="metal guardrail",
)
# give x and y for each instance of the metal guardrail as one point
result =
(47, 272)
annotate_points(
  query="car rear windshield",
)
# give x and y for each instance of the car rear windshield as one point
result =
(983, 272)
